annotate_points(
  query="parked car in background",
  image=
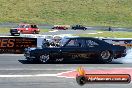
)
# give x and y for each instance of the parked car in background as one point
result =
(77, 49)
(25, 29)
(61, 27)
(79, 27)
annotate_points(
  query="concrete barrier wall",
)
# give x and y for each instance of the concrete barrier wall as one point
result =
(16, 44)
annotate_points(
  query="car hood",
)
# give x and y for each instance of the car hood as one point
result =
(30, 49)
(13, 28)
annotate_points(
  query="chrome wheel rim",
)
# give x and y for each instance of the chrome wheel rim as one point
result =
(105, 55)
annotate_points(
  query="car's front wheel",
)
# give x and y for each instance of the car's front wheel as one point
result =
(84, 29)
(44, 58)
(105, 56)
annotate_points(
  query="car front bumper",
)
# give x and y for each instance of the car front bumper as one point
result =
(15, 32)
(28, 56)
(119, 55)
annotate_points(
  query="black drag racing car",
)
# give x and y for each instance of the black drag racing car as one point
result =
(77, 49)
(79, 27)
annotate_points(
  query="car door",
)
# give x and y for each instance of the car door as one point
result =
(27, 29)
(93, 48)
(74, 50)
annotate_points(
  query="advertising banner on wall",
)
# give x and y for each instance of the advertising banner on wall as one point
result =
(16, 44)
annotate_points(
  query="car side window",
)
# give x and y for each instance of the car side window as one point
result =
(20, 26)
(71, 43)
(75, 43)
(33, 26)
(27, 26)
(91, 43)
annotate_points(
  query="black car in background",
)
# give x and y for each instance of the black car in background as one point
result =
(77, 49)
(79, 27)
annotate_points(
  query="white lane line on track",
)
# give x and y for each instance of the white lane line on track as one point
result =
(123, 68)
(53, 31)
(60, 74)
(120, 28)
(95, 33)
(92, 33)
(65, 72)
(19, 76)
(37, 75)
(99, 32)
(32, 69)
(89, 27)
(66, 77)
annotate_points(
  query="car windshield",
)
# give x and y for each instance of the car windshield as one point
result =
(20, 26)
(63, 41)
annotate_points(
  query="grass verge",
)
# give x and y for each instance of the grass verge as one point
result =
(108, 34)
(86, 12)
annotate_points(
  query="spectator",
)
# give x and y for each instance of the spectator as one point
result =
(110, 29)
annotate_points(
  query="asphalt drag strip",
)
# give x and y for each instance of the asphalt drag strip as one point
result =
(14, 74)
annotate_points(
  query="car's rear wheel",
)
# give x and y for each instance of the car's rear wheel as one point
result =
(44, 58)
(105, 56)
(35, 32)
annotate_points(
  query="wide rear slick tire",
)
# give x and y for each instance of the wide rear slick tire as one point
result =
(105, 56)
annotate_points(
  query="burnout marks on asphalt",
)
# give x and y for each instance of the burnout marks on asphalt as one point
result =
(72, 74)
